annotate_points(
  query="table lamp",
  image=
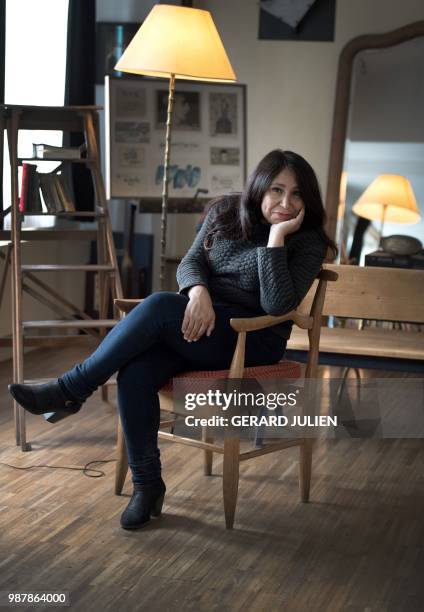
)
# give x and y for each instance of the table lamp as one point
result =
(176, 43)
(389, 197)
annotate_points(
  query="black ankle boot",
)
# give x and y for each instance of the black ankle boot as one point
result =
(146, 501)
(47, 399)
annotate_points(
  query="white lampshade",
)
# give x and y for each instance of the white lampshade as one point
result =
(180, 41)
(391, 197)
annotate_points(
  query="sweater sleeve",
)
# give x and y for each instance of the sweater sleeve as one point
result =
(193, 268)
(285, 281)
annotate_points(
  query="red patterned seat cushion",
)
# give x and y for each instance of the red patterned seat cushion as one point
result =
(282, 369)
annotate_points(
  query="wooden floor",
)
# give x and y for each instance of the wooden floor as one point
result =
(358, 546)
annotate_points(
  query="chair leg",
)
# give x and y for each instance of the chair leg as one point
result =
(207, 454)
(259, 430)
(121, 462)
(305, 468)
(105, 393)
(230, 477)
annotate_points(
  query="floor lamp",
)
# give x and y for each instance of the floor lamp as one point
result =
(176, 43)
(390, 198)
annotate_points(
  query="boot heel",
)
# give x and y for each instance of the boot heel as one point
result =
(157, 506)
(55, 417)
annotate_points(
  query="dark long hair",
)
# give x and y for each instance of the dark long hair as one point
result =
(236, 215)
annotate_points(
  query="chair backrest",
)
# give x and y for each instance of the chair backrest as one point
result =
(388, 294)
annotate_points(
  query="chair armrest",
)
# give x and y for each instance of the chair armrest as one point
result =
(126, 305)
(303, 321)
(328, 275)
(311, 322)
(254, 323)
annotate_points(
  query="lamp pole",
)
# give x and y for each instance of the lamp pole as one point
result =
(165, 182)
(383, 218)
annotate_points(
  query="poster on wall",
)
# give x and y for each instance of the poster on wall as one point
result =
(208, 148)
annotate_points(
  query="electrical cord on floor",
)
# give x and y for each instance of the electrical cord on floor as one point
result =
(85, 470)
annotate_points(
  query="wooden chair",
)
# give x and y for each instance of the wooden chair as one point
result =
(310, 321)
(373, 294)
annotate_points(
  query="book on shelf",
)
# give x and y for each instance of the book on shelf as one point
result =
(34, 199)
(30, 201)
(56, 197)
(24, 187)
(46, 151)
(47, 193)
(64, 196)
(55, 193)
(50, 195)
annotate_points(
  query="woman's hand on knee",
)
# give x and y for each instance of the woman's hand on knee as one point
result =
(199, 315)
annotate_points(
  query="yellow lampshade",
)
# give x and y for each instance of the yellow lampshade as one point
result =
(390, 196)
(180, 41)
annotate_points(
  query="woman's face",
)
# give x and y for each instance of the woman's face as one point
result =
(282, 200)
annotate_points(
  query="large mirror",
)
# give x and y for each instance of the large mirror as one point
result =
(378, 130)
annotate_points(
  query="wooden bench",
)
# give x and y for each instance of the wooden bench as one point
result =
(382, 294)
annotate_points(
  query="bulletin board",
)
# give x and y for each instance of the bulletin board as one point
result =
(208, 142)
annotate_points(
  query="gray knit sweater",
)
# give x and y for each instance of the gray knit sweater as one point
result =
(265, 280)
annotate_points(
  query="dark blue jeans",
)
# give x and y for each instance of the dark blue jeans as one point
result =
(147, 348)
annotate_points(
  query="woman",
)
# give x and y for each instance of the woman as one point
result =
(255, 253)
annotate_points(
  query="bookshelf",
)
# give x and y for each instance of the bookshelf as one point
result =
(27, 279)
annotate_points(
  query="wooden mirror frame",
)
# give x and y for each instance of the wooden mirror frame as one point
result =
(341, 106)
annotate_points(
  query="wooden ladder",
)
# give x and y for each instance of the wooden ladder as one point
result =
(25, 278)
